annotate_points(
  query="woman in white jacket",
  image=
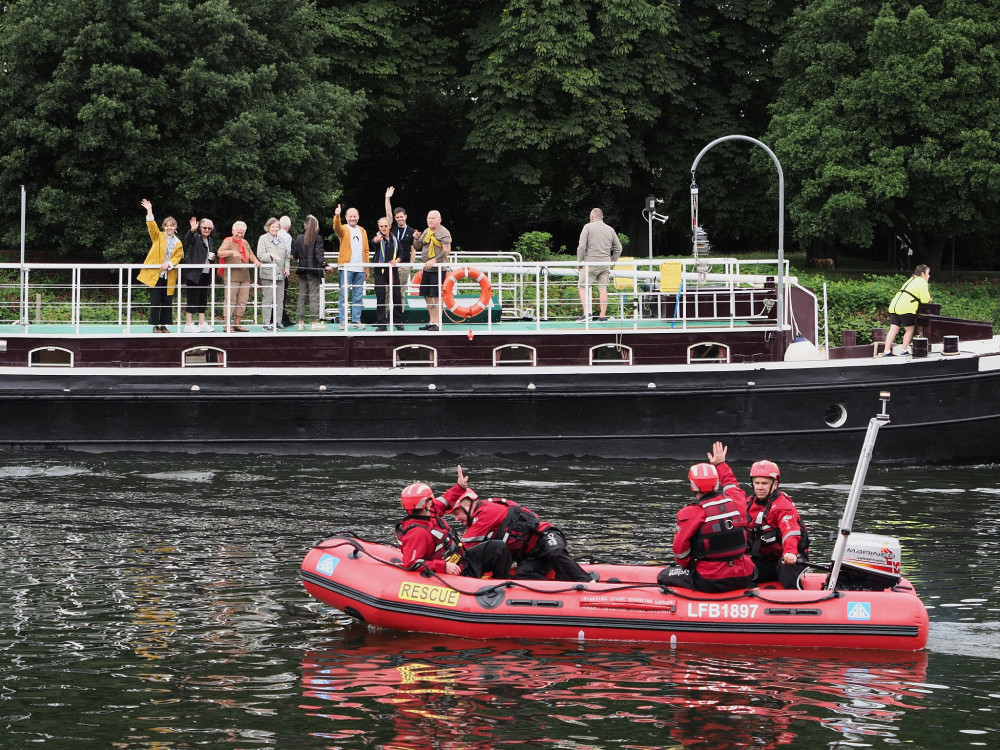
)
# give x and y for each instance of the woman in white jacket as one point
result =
(274, 270)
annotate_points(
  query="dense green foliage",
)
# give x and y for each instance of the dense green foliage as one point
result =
(534, 246)
(863, 304)
(509, 117)
(884, 120)
(207, 108)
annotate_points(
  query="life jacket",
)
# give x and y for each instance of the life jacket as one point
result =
(447, 545)
(519, 527)
(764, 535)
(723, 535)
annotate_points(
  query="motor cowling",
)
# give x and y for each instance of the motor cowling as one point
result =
(871, 563)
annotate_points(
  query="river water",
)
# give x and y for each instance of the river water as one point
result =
(153, 601)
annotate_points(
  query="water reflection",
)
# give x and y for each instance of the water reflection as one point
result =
(436, 692)
(155, 602)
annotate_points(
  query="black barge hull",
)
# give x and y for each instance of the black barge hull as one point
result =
(943, 409)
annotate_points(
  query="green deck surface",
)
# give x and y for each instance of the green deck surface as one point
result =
(106, 329)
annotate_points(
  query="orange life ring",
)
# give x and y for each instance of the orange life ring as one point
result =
(413, 285)
(448, 291)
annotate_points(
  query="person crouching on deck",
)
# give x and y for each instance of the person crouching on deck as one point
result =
(710, 543)
(428, 541)
(779, 542)
(537, 546)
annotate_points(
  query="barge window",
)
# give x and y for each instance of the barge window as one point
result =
(514, 354)
(710, 352)
(203, 356)
(50, 356)
(611, 354)
(414, 355)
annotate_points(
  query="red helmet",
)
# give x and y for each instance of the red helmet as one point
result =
(704, 478)
(417, 497)
(767, 469)
(467, 494)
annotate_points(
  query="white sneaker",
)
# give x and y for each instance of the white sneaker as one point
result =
(192, 328)
(301, 326)
(206, 328)
(358, 326)
(317, 327)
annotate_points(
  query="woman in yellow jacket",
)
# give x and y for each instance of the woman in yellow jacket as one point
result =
(166, 252)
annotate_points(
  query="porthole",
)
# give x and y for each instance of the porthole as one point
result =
(835, 415)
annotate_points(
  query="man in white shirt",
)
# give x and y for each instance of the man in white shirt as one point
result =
(351, 261)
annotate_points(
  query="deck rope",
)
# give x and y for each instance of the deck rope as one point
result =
(354, 542)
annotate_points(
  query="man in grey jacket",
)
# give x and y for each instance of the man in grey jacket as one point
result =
(599, 249)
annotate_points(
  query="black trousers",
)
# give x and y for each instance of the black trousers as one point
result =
(487, 557)
(550, 554)
(687, 578)
(160, 304)
(386, 279)
(775, 570)
(197, 294)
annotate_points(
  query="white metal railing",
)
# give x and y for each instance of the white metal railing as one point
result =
(709, 293)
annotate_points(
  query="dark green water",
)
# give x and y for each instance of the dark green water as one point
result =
(154, 602)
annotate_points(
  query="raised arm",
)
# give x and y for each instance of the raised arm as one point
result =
(389, 191)
(154, 231)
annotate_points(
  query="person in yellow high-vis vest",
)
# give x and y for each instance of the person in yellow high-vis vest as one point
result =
(903, 308)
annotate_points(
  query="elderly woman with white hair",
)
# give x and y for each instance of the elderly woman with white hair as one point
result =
(236, 251)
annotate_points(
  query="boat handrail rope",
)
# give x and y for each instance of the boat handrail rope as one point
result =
(355, 542)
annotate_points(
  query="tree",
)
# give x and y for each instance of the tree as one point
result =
(212, 108)
(889, 117)
(560, 95)
(408, 57)
(730, 82)
(576, 103)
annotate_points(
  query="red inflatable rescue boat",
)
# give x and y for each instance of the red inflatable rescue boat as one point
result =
(366, 580)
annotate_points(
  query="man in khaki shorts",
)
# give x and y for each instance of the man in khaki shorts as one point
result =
(600, 249)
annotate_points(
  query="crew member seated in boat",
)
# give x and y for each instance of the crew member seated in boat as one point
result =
(710, 544)
(779, 541)
(537, 546)
(428, 541)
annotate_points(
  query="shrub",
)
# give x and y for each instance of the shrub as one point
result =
(863, 304)
(534, 246)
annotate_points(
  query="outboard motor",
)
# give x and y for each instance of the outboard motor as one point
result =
(871, 563)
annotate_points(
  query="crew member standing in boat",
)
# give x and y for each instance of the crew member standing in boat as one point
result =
(779, 542)
(903, 308)
(537, 546)
(710, 543)
(427, 540)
